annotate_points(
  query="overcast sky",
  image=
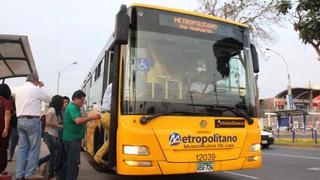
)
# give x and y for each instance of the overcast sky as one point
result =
(61, 32)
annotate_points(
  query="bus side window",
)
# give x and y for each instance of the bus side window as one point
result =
(108, 69)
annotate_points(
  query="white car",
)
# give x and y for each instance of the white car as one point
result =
(267, 139)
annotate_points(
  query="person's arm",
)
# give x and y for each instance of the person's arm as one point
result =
(49, 120)
(81, 120)
(77, 118)
(44, 96)
(60, 122)
(7, 118)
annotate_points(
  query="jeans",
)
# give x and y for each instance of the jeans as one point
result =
(60, 152)
(29, 130)
(70, 169)
(14, 137)
(52, 144)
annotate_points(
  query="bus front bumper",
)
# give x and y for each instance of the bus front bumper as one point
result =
(166, 168)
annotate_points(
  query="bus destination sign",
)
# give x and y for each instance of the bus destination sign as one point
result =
(187, 24)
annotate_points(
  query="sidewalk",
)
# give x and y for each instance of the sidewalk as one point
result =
(11, 168)
(86, 170)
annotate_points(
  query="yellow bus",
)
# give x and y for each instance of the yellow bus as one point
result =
(183, 97)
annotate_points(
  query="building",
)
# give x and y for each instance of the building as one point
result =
(306, 99)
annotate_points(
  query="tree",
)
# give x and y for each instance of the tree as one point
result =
(306, 21)
(259, 15)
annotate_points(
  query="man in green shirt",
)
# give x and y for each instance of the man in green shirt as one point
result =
(73, 131)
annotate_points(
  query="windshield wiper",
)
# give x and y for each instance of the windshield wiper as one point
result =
(234, 110)
(146, 119)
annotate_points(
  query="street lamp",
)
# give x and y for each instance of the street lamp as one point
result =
(289, 96)
(60, 72)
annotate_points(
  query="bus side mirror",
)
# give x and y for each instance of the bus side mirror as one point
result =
(121, 32)
(255, 59)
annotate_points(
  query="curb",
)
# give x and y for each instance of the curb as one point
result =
(297, 145)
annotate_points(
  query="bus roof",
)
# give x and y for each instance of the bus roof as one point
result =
(15, 57)
(189, 13)
(98, 59)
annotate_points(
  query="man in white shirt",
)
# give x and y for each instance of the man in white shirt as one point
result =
(106, 101)
(28, 108)
(105, 121)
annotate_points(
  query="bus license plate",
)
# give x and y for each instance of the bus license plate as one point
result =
(264, 142)
(204, 166)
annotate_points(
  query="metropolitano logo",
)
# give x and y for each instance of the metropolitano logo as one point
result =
(174, 139)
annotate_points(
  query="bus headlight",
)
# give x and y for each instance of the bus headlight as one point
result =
(135, 150)
(255, 147)
(253, 158)
(138, 163)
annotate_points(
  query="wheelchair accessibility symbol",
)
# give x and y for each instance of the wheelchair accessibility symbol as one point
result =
(143, 64)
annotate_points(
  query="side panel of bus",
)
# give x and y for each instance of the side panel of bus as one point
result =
(95, 134)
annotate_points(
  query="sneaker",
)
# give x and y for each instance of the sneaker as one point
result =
(9, 159)
(35, 176)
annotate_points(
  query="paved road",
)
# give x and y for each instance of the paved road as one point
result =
(279, 162)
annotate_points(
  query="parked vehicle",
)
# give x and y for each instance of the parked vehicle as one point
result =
(267, 139)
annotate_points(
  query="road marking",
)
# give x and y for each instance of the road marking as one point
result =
(314, 169)
(288, 155)
(242, 175)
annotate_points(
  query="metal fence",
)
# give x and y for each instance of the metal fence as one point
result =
(295, 134)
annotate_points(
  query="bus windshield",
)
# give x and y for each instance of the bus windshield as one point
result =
(187, 64)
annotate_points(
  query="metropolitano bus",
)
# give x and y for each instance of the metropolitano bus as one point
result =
(183, 97)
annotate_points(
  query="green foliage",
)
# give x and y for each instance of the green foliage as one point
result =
(306, 20)
(284, 6)
(308, 24)
(259, 15)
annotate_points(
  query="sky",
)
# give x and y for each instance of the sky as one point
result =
(63, 32)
